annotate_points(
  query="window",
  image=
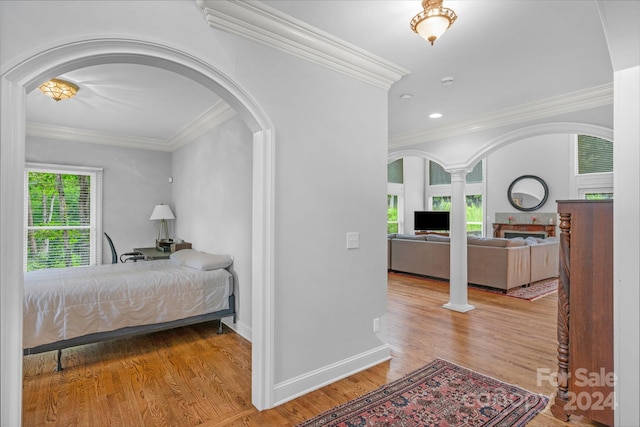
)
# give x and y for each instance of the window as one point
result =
(392, 213)
(593, 168)
(439, 190)
(395, 201)
(62, 216)
(438, 176)
(474, 211)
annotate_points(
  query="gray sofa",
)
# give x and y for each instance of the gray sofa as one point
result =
(493, 262)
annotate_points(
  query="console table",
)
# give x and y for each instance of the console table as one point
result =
(524, 230)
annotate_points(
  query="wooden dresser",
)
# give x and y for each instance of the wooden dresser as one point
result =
(585, 311)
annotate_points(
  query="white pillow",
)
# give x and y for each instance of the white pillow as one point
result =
(206, 262)
(181, 255)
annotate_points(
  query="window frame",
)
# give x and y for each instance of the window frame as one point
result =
(580, 184)
(398, 191)
(471, 189)
(95, 227)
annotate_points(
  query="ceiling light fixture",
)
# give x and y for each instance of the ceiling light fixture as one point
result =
(58, 89)
(435, 115)
(433, 21)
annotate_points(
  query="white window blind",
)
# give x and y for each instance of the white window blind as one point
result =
(62, 216)
(595, 155)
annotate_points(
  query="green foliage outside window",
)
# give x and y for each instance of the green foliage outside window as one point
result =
(58, 220)
(474, 211)
(392, 214)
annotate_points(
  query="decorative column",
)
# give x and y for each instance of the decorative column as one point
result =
(458, 243)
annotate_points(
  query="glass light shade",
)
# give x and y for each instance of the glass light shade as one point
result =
(162, 212)
(433, 21)
(58, 89)
(432, 28)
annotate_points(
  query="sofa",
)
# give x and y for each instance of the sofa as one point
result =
(494, 262)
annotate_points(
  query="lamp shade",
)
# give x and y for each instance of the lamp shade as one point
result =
(433, 21)
(58, 89)
(162, 212)
(433, 27)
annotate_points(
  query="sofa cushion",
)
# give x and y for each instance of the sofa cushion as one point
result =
(497, 242)
(532, 241)
(411, 236)
(437, 238)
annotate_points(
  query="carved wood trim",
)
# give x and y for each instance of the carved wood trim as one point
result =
(562, 394)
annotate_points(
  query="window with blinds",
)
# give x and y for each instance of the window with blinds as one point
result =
(395, 172)
(438, 176)
(62, 214)
(595, 155)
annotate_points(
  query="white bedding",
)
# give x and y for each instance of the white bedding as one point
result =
(65, 303)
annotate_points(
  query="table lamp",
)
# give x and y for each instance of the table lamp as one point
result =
(163, 213)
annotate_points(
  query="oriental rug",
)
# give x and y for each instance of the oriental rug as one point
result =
(439, 394)
(532, 292)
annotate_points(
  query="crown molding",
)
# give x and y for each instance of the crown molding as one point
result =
(268, 26)
(568, 103)
(205, 122)
(94, 137)
(211, 118)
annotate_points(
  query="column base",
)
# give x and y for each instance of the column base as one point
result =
(462, 308)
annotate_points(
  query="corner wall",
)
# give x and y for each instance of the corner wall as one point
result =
(211, 193)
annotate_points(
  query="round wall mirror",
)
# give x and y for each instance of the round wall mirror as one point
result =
(528, 193)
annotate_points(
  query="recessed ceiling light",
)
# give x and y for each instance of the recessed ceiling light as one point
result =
(435, 115)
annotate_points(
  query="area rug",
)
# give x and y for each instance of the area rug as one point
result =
(533, 292)
(439, 394)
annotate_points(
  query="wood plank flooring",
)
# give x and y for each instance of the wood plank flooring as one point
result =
(193, 377)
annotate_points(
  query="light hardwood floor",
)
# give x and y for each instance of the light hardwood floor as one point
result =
(194, 377)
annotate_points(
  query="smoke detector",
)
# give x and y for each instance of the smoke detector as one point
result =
(447, 81)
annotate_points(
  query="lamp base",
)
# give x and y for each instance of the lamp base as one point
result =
(164, 245)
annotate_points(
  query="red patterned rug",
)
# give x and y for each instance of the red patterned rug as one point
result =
(439, 394)
(533, 292)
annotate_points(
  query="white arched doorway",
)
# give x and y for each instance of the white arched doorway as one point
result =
(465, 160)
(23, 77)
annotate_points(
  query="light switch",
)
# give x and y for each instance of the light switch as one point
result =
(353, 240)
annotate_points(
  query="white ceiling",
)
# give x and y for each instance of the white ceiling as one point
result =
(501, 54)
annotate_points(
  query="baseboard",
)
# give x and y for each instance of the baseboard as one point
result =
(240, 328)
(303, 384)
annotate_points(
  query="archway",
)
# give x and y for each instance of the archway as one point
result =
(468, 160)
(24, 77)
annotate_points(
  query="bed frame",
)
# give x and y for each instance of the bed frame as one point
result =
(133, 331)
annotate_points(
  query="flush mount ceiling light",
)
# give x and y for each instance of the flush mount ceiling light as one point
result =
(58, 89)
(435, 115)
(433, 21)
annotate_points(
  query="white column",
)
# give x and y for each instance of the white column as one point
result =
(626, 243)
(458, 243)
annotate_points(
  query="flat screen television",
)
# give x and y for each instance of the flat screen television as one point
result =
(431, 220)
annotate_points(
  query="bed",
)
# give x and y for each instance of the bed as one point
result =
(67, 307)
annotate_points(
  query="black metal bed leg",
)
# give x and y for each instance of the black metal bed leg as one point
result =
(59, 367)
(220, 327)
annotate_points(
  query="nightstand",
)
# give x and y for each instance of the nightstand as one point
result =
(153, 254)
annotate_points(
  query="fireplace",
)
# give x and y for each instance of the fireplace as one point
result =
(524, 230)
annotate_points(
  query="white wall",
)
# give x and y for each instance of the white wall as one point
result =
(331, 179)
(134, 181)
(546, 156)
(211, 193)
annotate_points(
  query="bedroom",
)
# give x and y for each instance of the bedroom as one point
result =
(307, 144)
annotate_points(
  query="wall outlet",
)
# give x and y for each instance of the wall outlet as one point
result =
(376, 324)
(353, 240)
